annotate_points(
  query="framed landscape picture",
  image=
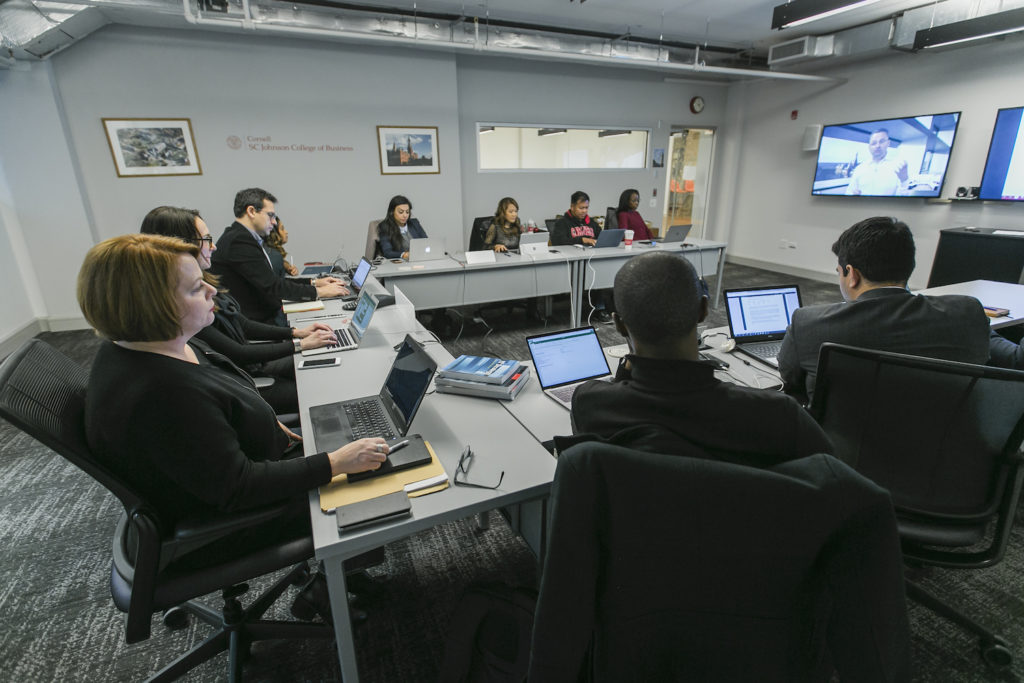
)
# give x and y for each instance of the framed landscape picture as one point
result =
(408, 149)
(152, 147)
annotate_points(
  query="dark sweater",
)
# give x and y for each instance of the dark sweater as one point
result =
(726, 421)
(571, 230)
(196, 440)
(231, 331)
(632, 220)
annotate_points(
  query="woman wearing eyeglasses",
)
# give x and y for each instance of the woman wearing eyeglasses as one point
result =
(185, 427)
(232, 331)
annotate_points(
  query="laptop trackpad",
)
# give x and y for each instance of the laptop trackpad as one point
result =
(331, 429)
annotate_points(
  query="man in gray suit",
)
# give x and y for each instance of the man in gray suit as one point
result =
(876, 258)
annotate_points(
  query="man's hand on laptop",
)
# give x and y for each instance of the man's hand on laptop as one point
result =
(359, 456)
(303, 332)
(331, 290)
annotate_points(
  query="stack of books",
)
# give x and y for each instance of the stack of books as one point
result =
(483, 376)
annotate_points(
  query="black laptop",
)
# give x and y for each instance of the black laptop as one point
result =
(758, 318)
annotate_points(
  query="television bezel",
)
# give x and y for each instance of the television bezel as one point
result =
(942, 185)
(991, 141)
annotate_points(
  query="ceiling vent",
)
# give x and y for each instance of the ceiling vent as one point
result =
(808, 47)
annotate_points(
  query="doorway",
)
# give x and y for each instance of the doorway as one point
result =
(690, 153)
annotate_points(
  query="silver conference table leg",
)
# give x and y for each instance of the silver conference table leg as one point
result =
(718, 286)
(334, 569)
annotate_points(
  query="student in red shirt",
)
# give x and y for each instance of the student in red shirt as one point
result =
(629, 218)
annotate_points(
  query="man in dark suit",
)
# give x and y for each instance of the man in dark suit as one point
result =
(876, 258)
(245, 269)
(665, 399)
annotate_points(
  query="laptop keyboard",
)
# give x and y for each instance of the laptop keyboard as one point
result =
(367, 420)
(765, 350)
(344, 338)
(565, 393)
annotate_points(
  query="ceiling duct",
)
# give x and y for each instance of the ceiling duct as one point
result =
(36, 30)
(808, 47)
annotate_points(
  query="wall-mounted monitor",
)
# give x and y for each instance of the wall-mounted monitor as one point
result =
(1003, 178)
(904, 157)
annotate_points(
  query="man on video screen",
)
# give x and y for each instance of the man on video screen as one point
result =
(879, 176)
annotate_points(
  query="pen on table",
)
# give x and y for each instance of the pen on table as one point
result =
(398, 446)
(318, 317)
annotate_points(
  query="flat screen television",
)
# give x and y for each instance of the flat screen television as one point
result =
(904, 157)
(1003, 178)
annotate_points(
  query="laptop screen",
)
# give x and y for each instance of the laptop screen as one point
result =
(567, 356)
(362, 270)
(761, 312)
(407, 383)
(364, 312)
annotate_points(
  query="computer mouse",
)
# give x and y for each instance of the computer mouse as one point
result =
(728, 347)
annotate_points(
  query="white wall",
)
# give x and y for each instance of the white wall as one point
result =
(291, 91)
(770, 199)
(534, 92)
(45, 230)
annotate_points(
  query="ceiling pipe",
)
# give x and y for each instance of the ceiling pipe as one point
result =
(247, 23)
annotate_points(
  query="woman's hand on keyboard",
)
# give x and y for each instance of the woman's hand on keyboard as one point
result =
(318, 338)
(359, 456)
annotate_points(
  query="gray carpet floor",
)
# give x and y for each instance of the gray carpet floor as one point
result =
(57, 622)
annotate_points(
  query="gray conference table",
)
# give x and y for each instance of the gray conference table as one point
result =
(449, 423)
(989, 293)
(452, 282)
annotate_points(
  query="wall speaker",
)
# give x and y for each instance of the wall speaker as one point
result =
(974, 192)
(961, 192)
(812, 135)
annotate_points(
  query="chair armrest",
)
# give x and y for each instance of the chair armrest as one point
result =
(201, 532)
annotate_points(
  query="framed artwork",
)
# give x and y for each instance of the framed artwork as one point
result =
(152, 147)
(408, 149)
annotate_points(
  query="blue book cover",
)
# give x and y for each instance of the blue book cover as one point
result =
(480, 369)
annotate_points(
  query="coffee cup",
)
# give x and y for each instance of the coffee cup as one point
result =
(627, 239)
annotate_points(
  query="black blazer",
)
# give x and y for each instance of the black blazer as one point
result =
(244, 270)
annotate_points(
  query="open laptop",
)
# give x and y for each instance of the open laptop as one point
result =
(564, 360)
(678, 233)
(758, 318)
(387, 414)
(351, 334)
(358, 278)
(610, 238)
(533, 242)
(426, 249)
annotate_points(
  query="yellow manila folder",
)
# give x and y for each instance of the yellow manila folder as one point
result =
(343, 492)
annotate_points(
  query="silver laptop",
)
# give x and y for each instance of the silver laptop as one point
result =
(678, 233)
(610, 238)
(350, 335)
(758, 318)
(564, 360)
(358, 278)
(533, 243)
(387, 414)
(426, 249)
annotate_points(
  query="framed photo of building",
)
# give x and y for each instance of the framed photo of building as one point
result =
(152, 147)
(408, 149)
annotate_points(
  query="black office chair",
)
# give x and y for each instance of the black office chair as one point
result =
(42, 392)
(478, 232)
(945, 439)
(611, 218)
(549, 223)
(672, 567)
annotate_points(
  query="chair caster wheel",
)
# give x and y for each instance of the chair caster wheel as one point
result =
(996, 654)
(175, 618)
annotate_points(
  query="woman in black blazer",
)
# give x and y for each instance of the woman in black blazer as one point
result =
(397, 228)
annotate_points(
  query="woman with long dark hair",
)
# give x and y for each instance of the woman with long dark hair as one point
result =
(629, 217)
(505, 228)
(397, 228)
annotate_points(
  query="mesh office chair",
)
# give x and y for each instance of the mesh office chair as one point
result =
(611, 218)
(671, 567)
(42, 392)
(945, 439)
(478, 232)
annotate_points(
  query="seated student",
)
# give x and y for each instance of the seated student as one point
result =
(1004, 353)
(231, 329)
(397, 228)
(575, 226)
(504, 231)
(629, 217)
(274, 246)
(186, 428)
(245, 269)
(876, 258)
(662, 384)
